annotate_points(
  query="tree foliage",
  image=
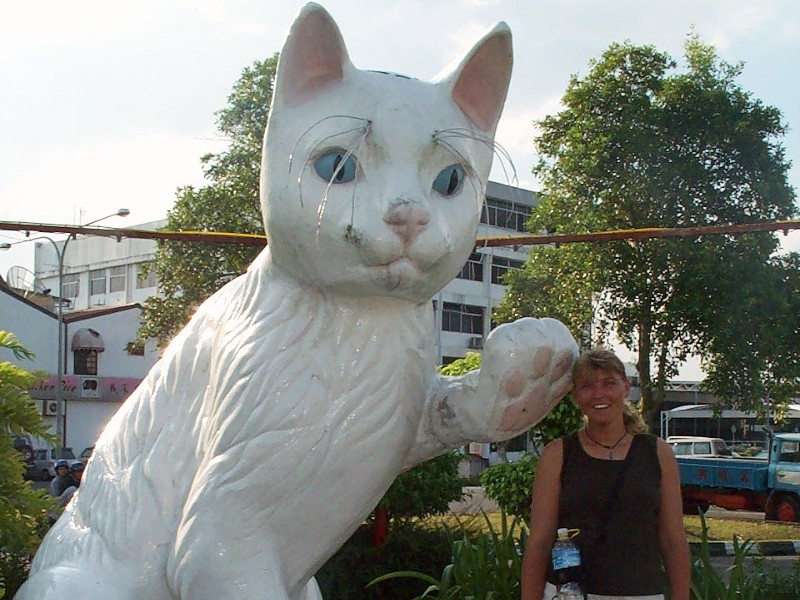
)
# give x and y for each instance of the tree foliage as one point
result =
(641, 144)
(23, 510)
(189, 272)
(754, 353)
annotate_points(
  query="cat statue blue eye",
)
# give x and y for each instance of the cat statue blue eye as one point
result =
(336, 167)
(449, 180)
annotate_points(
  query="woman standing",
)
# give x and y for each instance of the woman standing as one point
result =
(617, 485)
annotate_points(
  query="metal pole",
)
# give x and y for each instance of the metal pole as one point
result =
(60, 254)
(60, 366)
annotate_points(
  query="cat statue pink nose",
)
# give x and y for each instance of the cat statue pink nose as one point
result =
(407, 219)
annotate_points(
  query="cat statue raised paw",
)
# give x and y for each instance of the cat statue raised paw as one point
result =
(281, 414)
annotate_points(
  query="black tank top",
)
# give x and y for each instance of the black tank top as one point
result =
(619, 546)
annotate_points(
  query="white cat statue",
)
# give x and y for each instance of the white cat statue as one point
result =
(280, 415)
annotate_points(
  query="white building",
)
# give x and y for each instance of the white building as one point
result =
(102, 365)
(103, 286)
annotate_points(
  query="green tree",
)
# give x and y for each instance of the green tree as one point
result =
(641, 144)
(753, 351)
(23, 510)
(189, 272)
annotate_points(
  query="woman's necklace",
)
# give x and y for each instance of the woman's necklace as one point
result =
(610, 448)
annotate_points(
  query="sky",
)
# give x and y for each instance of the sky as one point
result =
(105, 105)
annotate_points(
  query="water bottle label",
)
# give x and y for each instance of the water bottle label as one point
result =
(565, 558)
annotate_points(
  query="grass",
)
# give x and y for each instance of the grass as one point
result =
(719, 530)
(723, 530)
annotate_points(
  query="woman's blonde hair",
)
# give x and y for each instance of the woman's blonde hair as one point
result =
(605, 359)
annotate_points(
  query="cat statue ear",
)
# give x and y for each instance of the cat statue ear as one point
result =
(479, 82)
(313, 56)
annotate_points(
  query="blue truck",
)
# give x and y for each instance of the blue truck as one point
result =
(770, 484)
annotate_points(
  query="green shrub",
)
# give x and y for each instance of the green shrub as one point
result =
(410, 545)
(427, 489)
(707, 584)
(510, 486)
(772, 583)
(485, 565)
(23, 510)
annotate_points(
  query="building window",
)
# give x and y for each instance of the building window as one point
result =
(500, 265)
(70, 285)
(97, 282)
(473, 269)
(85, 362)
(462, 317)
(145, 275)
(506, 215)
(116, 279)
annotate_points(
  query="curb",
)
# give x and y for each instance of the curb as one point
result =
(777, 548)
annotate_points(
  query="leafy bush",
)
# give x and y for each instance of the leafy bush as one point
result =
(483, 565)
(772, 583)
(23, 510)
(707, 584)
(510, 485)
(564, 418)
(427, 489)
(410, 545)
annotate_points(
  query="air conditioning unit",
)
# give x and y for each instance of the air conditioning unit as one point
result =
(476, 342)
(90, 387)
(49, 408)
(475, 448)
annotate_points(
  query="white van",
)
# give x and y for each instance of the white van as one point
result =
(699, 446)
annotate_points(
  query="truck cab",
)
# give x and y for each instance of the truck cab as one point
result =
(784, 478)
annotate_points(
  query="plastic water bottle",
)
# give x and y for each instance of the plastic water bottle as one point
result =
(567, 566)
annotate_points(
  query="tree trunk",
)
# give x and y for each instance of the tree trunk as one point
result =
(643, 366)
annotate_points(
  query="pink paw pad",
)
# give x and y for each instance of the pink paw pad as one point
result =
(527, 411)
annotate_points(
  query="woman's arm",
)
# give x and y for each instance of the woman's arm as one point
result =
(671, 533)
(544, 521)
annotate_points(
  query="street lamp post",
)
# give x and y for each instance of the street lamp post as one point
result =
(60, 253)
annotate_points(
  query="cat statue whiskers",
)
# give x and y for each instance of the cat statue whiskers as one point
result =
(280, 415)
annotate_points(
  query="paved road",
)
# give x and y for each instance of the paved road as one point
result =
(782, 564)
(741, 515)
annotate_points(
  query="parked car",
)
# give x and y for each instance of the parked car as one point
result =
(698, 446)
(44, 462)
(24, 446)
(86, 453)
(37, 468)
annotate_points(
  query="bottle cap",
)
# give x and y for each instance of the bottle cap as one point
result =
(563, 533)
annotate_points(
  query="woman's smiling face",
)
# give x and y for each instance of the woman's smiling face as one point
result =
(600, 393)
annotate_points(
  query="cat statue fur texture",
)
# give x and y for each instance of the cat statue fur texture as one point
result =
(280, 415)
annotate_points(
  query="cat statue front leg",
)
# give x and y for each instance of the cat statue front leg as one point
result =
(526, 368)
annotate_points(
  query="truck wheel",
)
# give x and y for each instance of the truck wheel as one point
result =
(787, 509)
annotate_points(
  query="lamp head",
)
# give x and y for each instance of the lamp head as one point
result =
(123, 212)
(5, 246)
